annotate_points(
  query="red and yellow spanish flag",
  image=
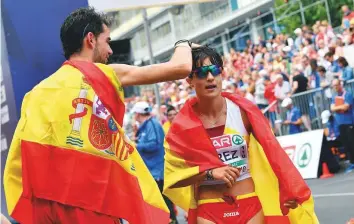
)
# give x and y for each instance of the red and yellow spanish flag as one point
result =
(69, 147)
(189, 152)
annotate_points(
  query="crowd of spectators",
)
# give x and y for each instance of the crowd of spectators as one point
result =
(274, 68)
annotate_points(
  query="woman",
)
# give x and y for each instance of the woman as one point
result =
(315, 81)
(214, 167)
(347, 71)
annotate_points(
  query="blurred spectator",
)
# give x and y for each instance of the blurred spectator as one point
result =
(347, 71)
(329, 142)
(245, 92)
(305, 61)
(299, 82)
(293, 116)
(149, 143)
(348, 15)
(260, 100)
(325, 77)
(342, 107)
(171, 114)
(333, 64)
(314, 78)
(271, 33)
(299, 38)
(282, 88)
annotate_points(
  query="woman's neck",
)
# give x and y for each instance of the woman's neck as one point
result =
(211, 107)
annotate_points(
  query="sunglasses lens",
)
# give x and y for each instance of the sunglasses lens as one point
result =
(203, 72)
(215, 70)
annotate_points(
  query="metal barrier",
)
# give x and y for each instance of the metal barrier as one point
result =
(311, 104)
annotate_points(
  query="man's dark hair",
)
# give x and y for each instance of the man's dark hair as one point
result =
(201, 53)
(321, 69)
(343, 61)
(328, 54)
(77, 25)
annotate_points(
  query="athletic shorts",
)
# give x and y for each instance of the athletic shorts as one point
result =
(229, 209)
(45, 212)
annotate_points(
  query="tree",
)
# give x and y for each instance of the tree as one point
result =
(311, 14)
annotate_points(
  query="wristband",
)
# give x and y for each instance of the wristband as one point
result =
(182, 45)
(184, 41)
(209, 175)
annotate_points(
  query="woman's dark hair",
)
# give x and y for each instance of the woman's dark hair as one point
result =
(343, 61)
(321, 69)
(201, 53)
(170, 108)
(313, 64)
(77, 25)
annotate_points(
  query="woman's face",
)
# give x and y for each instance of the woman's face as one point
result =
(210, 85)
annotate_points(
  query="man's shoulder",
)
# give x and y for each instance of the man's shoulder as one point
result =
(349, 95)
(296, 109)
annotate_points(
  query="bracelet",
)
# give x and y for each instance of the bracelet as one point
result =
(209, 175)
(183, 41)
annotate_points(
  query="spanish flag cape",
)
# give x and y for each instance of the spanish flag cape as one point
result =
(189, 151)
(69, 147)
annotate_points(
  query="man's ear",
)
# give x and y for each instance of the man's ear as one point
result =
(90, 40)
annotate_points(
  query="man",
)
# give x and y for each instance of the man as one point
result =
(150, 139)
(69, 160)
(333, 64)
(342, 107)
(300, 82)
(293, 116)
(348, 15)
(171, 114)
(299, 85)
(329, 142)
(260, 100)
(269, 95)
(282, 88)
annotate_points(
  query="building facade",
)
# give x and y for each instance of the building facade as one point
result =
(223, 24)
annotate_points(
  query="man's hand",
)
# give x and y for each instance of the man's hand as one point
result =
(228, 174)
(291, 204)
(286, 122)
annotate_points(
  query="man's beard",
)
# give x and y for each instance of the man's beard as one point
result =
(97, 57)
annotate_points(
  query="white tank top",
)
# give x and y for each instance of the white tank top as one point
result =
(232, 147)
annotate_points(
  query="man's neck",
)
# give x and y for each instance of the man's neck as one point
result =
(145, 118)
(81, 57)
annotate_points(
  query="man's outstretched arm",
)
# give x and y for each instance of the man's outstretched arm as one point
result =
(179, 67)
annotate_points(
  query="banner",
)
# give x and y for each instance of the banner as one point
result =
(113, 5)
(304, 150)
(348, 52)
(30, 51)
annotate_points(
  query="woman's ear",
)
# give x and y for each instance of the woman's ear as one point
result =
(189, 80)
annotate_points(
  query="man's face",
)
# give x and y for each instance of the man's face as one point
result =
(280, 81)
(336, 86)
(345, 10)
(171, 115)
(329, 58)
(102, 50)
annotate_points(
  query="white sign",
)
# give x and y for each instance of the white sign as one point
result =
(304, 150)
(348, 52)
(113, 5)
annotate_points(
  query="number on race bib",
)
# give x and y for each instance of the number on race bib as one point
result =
(243, 152)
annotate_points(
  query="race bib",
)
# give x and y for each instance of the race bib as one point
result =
(232, 150)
